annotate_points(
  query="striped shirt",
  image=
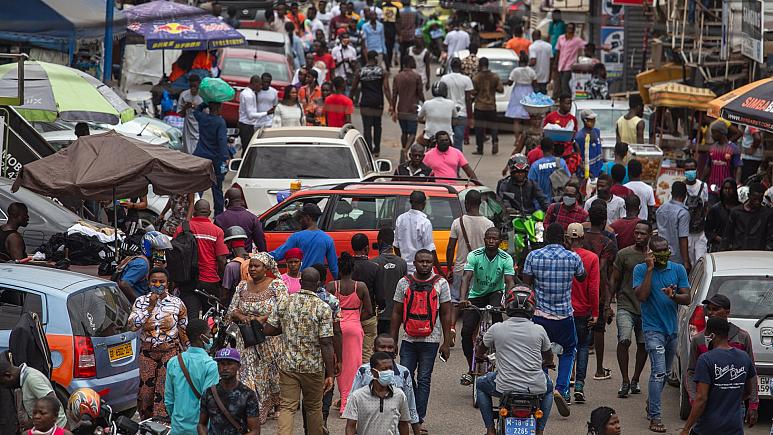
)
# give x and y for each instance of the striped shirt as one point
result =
(553, 268)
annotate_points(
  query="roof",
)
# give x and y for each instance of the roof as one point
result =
(251, 53)
(55, 279)
(301, 135)
(735, 261)
(380, 188)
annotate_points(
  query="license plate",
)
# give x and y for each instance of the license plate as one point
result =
(120, 352)
(520, 426)
(763, 385)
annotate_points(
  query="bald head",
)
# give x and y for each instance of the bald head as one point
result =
(310, 279)
(202, 208)
(234, 196)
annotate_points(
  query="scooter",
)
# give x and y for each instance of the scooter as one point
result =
(518, 413)
(527, 234)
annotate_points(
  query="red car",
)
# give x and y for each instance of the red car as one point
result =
(237, 65)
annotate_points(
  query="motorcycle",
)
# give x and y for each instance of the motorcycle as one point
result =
(223, 332)
(107, 423)
(518, 413)
(522, 234)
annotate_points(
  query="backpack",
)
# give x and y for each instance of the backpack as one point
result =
(182, 261)
(695, 206)
(420, 307)
(244, 267)
(559, 179)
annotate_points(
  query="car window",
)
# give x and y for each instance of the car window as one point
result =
(441, 211)
(363, 155)
(363, 213)
(750, 296)
(502, 67)
(284, 218)
(14, 302)
(234, 66)
(99, 311)
(298, 162)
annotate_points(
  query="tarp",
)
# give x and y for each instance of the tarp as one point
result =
(748, 105)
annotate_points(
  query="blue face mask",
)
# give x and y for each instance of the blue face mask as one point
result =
(386, 377)
(691, 175)
(207, 344)
(157, 289)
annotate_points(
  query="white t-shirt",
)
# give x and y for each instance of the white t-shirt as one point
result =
(344, 55)
(475, 227)
(456, 40)
(288, 116)
(646, 196)
(522, 75)
(615, 207)
(695, 188)
(376, 416)
(543, 52)
(458, 84)
(266, 100)
(438, 113)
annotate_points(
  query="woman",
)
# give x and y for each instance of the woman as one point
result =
(355, 306)
(255, 298)
(161, 319)
(310, 97)
(604, 421)
(523, 79)
(716, 218)
(288, 113)
(181, 207)
(292, 278)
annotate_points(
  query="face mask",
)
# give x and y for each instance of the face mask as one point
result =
(207, 344)
(386, 377)
(691, 175)
(157, 289)
(661, 258)
(442, 146)
(569, 201)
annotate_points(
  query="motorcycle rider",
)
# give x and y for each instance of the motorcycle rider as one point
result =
(523, 353)
(517, 191)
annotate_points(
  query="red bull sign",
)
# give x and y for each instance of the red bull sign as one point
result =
(172, 28)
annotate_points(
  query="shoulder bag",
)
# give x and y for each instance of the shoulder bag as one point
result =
(464, 234)
(225, 412)
(187, 376)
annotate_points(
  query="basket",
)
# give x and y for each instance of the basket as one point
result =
(559, 135)
(536, 110)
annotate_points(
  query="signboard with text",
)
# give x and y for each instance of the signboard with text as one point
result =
(752, 22)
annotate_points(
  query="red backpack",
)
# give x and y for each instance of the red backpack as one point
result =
(420, 307)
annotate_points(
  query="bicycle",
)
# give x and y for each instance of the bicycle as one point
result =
(488, 365)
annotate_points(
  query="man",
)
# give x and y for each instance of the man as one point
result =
(212, 252)
(643, 190)
(280, 17)
(585, 303)
(517, 191)
(563, 117)
(660, 285)
(624, 227)
(378, 408)
(12, 245)
(551, 270)
(374, 81)
(213, 145)
(470, 229)
(446, 161)
(628, 308)
(414, 166)
(294, 47)
(485, 85)
(267, 98)
(30, 385)
(543, 168)
(338, 107)
(417, 353)
(630, 127)
(673, 220)
(317, 246)
(518, 43)
(406, 95)
(592, 135)
(240, 401)
(407, 20)
(725, 377)
(321, 55)
(236, 214)
(619, 174)
(306, 365)
(718, 306)
(568, 47)
(401, 377)
(237, 270)
(345, 55)
(390, 17)
(697, 203)
(391, 269)
(455, 41)
(296, 17)
(133, 269)
(489, 272)
(556, 28)
(567, 211)
(615, 204)
(413, 231)
(437, 113)
(750, 226)
(373, 37)
(184, 388)
(540, 56)
(460, 91)
(366, 271)
(188, 100)
(471, 63)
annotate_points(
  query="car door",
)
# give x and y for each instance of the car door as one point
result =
(364, 157)
(281, 222)
(352, 214)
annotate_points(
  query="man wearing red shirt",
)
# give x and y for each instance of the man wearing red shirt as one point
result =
(323, 56)
(624, 227)
(338, 107)
(567, 210)
(562, 117)
(212, 252)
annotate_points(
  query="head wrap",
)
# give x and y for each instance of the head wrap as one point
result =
(294, 253)
(599, 419)
(267, 261)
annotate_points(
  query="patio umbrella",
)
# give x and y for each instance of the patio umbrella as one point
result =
(749, 105)
(54, 91)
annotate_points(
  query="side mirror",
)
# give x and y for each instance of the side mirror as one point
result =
(234, 165)
(384, 166)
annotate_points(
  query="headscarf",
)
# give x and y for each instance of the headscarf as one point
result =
(599, 419)
(294, 253)
(267, 261)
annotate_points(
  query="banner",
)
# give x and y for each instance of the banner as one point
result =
(752, 24)
(612, 50)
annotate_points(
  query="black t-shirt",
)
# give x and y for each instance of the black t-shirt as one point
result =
(726, 371)
(241, 403)
(366, 271)
(372, 85)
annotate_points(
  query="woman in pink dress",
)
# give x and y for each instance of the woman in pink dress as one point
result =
(292, 278)
(355, 306)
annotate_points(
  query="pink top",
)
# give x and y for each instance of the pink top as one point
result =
(350, 304)
(293, 284)
(57, 431)
(569, 50)
(445, 164)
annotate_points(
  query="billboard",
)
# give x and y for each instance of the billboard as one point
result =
(752, 25)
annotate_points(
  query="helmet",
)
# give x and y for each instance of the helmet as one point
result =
(518, 162)
(440, 89)
(234, 233)
(84, 402)
(520, 301)
(155, 241)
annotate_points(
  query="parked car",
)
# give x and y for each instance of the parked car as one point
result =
(61, 133)
(314, 155)
(86, 324)
(501, 61)
(746, 278)
(607, 114)
(247, 8)
(265, 40)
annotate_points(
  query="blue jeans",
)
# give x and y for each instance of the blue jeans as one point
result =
(562, 332)
(459, 124)
(217, 190)
(584, 336)
(661, 349)
(419, 356)
(487, 388)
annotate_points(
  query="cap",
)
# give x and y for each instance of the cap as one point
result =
(587, 114)
(311, 209)
(228, 353)
(575, 230)
(719, 300)
(294, 253)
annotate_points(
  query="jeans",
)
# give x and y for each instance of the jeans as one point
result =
(458, 125)
(390, 34)
(372, 132)
(419, 359)
(584, 337)
(564, 77)
(661, 349)
(485, 119)
(471, 321)
(562, 332)
(217, 189)
(487, 388)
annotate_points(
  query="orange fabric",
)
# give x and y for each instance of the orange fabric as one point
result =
(203, 60)
(518, 45)
(63, 344)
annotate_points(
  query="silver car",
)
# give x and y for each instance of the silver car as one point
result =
(746, 277)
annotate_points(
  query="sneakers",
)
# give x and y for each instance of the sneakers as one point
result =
(562, 403)
(624, 389)
(635, 389)
(579, 395)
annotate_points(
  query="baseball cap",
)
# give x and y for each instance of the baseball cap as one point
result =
(587, 114)
(228, 353)
(311, 209)
(575, 230)
(719, 300)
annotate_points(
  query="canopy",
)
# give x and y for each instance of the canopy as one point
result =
(110, 165)
(749, 105)
(678, 95)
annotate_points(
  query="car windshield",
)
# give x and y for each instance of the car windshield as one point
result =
(234, 66)
(298, 162)
(502, 67)
(99, 311)
(750, 296)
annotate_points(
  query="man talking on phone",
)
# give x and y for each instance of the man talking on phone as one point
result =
(660, 285)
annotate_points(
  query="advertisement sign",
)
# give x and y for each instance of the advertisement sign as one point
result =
(666, 177)
(611, 14)
(612, 50)
(752, 44)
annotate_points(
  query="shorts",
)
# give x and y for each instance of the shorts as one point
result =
(601, 323)
(456, 286)
(408, 126)
(628, 324)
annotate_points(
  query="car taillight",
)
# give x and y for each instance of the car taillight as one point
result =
(85, 362)
(697, 321)
(521, 412)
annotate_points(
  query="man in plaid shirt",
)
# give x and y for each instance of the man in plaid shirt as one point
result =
(550, 271)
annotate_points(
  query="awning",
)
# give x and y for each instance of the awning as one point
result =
(748, 105)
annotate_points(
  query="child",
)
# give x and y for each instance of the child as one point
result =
(44, 415)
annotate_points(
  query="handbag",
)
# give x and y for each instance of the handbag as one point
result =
(252, 333)
(224, 410)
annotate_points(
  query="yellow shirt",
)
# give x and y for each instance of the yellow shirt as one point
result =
(627, 129)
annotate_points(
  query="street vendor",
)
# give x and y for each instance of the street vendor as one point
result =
(592, 135)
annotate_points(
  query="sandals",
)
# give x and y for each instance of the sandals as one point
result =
(466, 379)
(657, 426)
(607, 375)
(453, 337)
(625, 388)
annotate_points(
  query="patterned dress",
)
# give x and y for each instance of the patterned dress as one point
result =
(259, 370)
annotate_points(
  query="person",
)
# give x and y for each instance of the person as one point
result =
(248, 110)
(239, 402)
(597, 87)
(373, 37)
(379, 407)
(312, 101)
(421, 56)
(615, 204)
(624, 227)
(391, 269)
(213, 145)
(488, 274)
(279, 17)
(211, 259)
(30, 385)
(551, 270)
(183, 389)
(750, 226)
(523, 79)
(44, 417)
(236, 270)
(82, 128)
(407, 93)
(292, 278)
(621, 154)
(131, 219)
(517, 191)
(437, 113)
(542, 169)
(604, 421)
(718, 306)
(236, 214)
(563, 118)
(317, 246)
(296, 18)
(373, 81)
(660, 285)
(365, 271)
(455, 41)
(28, 344)
(619, 174)
(697, 203)
(643, 190)
(407, 21)
(417, 352)
(486, 84)
(413, 231)
(629, 128)
(414, 166)
(446, 161)
(306, 365)
(162, 320)
(753, 152)
(294, 46)
(255, 298)
(567, 211)
(719, 213)
(592, 135)
(289, 113)
(540, 56)
(673, 220)
(518, 43)
(724, 157)
(321, 55)
(345, 55)
(460, 91)
(267, 98)
(725, 378)
(338, 107)
(188, 100)
(471, 63)
(133, 269)
(180, 208)
(568, 47)
(523, 350)
(556, 28)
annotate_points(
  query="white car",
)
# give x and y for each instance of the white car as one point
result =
(501, 61)
(315, 156)
(607, 114)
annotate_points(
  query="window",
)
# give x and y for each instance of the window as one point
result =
(285, 219)
(14, 302)
(363, 155)
(292, 162)
(750, 296)
(363, 213)
(441, 211)
(99, 312)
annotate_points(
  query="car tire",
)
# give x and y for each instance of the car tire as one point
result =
(684, 402)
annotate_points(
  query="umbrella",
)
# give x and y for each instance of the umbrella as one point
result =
(54, 91)
(750, 105)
